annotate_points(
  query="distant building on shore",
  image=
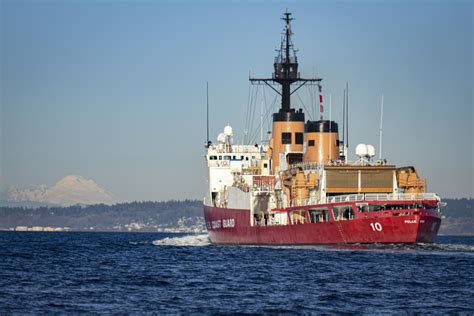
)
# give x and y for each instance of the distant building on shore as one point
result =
(40, 229)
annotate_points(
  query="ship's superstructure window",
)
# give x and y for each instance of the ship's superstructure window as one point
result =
(226, 157)
(311, 143)
(279, 218)
(298, 217)
(397, 206)
(286, 138)
(363, 207)
(391, 207)
(299, 138)
(375, 207)
(212, 157)
(319, 215)
(294, 158)
(213, 197)
(343, 213)
(220, 157)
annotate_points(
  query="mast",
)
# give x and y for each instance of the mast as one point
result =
(381, 129)
(261, 122)
(208, 142)
(347, 115)
(285, 70)
(330, 127)
(344, 118)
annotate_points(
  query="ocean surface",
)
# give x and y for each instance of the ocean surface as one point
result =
(171, 273)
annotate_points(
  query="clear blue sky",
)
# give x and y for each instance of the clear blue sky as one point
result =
(115, 90)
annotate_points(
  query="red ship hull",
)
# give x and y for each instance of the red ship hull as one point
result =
(233, 226)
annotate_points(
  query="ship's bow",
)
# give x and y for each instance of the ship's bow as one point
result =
(428, 228)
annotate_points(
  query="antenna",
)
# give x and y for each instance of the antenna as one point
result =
(330, 128)
(347, 116)
(321, 110)
(207, 114)
(261, 121)
(381, 129)
(344, 118)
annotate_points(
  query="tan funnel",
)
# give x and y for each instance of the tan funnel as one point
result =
(321, 139)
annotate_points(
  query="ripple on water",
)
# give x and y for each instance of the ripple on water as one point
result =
(176, 273)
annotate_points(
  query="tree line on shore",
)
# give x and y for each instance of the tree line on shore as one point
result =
(101, 216)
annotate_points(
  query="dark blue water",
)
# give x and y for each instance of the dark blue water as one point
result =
(163, 273)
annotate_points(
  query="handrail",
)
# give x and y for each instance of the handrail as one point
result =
(369, 197)
(305, 165)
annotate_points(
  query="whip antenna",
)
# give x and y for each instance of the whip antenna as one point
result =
(344, 118)
(347, 114)
(381, 129)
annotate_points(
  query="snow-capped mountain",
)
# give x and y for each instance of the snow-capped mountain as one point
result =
(68, 191)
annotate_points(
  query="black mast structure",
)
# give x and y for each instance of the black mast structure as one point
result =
(285, 74)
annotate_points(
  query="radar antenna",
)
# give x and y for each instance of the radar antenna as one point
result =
(286, 69)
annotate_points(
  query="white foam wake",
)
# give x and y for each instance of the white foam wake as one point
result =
(189, 240)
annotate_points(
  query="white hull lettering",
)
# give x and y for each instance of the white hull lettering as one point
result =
(228, 223)
(225, 223)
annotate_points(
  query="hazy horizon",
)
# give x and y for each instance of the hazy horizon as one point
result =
(115, 91)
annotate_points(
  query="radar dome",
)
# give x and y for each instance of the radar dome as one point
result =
(221, 138)
(228, 130)
(370, 151)
(361, 150)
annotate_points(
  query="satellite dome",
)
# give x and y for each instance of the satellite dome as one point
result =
(370, 151)
(221, 138)
(361, 150)
(228, 130)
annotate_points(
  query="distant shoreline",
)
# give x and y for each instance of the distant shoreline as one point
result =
(106, 231)
(184, 216)
(163, 232)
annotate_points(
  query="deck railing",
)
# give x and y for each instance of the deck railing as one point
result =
(369, 197)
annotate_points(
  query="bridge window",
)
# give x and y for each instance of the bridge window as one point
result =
(286, 138)
(212, 157)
